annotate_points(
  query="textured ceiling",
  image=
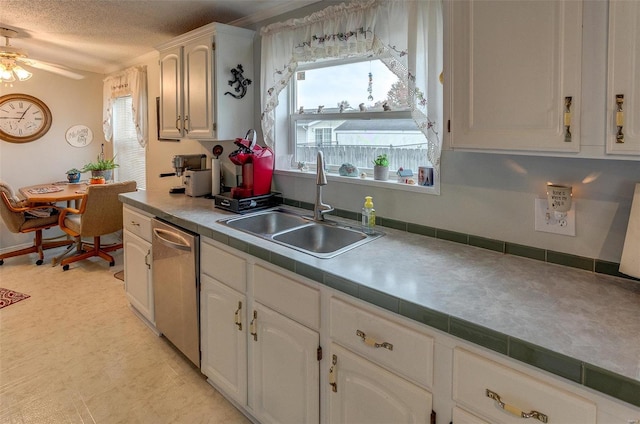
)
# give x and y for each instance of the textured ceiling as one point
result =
(100, 35)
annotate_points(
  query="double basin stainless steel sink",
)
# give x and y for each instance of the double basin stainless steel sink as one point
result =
(322, 239)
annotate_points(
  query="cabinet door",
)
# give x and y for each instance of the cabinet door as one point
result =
(137, 274)
(460, 416)
(367, 393)
(224, 338)
(198, 91)
(171, 116)
(516, 75)
(284, 373)
(623, 94)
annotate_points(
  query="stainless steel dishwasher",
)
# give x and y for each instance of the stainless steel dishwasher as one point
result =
(176, 287)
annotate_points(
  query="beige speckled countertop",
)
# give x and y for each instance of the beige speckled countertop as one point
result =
(577, 324)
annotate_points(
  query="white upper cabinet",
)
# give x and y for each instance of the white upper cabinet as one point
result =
(198, 97)
(515, 75)
(623, 88)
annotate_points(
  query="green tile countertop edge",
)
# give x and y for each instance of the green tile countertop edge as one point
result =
(580, 372)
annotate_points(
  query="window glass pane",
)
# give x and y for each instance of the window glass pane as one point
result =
(129, 154)
(368, 83)
(359, 141)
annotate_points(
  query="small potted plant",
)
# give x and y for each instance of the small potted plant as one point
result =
(101, 168)
(381, 168)
(73, 175)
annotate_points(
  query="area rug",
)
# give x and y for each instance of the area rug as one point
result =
(119, 275)
(9, 297)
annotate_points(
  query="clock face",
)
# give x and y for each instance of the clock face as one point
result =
(23, 118)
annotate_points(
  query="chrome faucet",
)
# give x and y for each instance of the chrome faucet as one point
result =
(319, 208)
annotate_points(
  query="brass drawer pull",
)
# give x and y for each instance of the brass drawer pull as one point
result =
(567, 119)
(333, 382)
(253, 326)
(515, 411)
(619, 118)
(238, 318)
(370, 341)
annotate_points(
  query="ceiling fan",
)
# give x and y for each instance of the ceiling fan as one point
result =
(11, 58)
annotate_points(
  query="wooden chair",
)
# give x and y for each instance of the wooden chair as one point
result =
(100, 213)
(15, 215)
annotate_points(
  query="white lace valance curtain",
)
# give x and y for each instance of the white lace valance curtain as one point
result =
(133, 82)
(405, 34)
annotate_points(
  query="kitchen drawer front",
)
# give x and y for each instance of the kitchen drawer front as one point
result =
(137, 222)
(357, 329)
(475, 378)
(460, 416)
(223, 266)
(287, 296)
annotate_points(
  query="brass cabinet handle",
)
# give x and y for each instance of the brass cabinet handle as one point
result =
(567, 119)
(619, 118)
(515, 411)
(186, 124)
(370, 341)
(146, 257)
(238, 317)
(135, 224)
(177, 121)
(332, 374)
(253, 325)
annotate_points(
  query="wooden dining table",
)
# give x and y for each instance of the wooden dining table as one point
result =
(55, 192)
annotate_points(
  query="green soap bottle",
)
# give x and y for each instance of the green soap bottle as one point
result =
(368, 216)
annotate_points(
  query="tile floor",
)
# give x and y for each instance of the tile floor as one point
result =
(74, 352)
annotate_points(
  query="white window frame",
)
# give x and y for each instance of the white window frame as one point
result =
(286, 118)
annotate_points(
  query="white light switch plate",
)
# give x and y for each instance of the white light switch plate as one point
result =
(552, 225)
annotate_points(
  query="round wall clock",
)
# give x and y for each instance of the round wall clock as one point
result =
(23, 118)
(79, 135)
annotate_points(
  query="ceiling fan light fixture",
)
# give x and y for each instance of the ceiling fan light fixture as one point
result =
(7, 76)
(22, 73)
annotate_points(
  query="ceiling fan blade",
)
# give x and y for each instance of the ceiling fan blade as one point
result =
(49, 67)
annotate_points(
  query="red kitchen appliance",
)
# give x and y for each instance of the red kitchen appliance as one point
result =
(257, 167)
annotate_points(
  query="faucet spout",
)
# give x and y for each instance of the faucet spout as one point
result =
(320, 208)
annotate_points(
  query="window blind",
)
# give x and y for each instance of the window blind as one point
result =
(129, 154)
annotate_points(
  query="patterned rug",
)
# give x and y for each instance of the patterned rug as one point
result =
(9, 297)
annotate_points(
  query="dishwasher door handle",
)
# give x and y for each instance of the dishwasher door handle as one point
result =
(171, 239)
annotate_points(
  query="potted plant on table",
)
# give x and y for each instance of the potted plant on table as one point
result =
(73, 175)
(101, 168)
(381, 168)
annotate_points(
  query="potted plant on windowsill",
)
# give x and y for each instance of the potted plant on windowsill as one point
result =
(101, 168)
(73, 175)
(381, 168)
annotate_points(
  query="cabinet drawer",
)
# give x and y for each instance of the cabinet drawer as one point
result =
(475, 378)
(357, 329)
(223, 266)
(287, 296)
(137, 222)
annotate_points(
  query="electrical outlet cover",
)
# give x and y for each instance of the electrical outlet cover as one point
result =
(552, 225)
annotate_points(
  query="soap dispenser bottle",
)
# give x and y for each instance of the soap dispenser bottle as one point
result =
(368, 216)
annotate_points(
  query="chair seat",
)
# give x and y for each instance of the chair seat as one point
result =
(34, 223)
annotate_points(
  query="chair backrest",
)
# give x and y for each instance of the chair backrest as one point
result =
(13, 220)
(102, 209)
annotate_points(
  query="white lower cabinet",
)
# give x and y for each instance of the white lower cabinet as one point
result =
(362, 392)
(379, 368)
(136, 240)
(224, 337)
(262, 327)
(256, 348)
(284, 370)
(504, 395)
